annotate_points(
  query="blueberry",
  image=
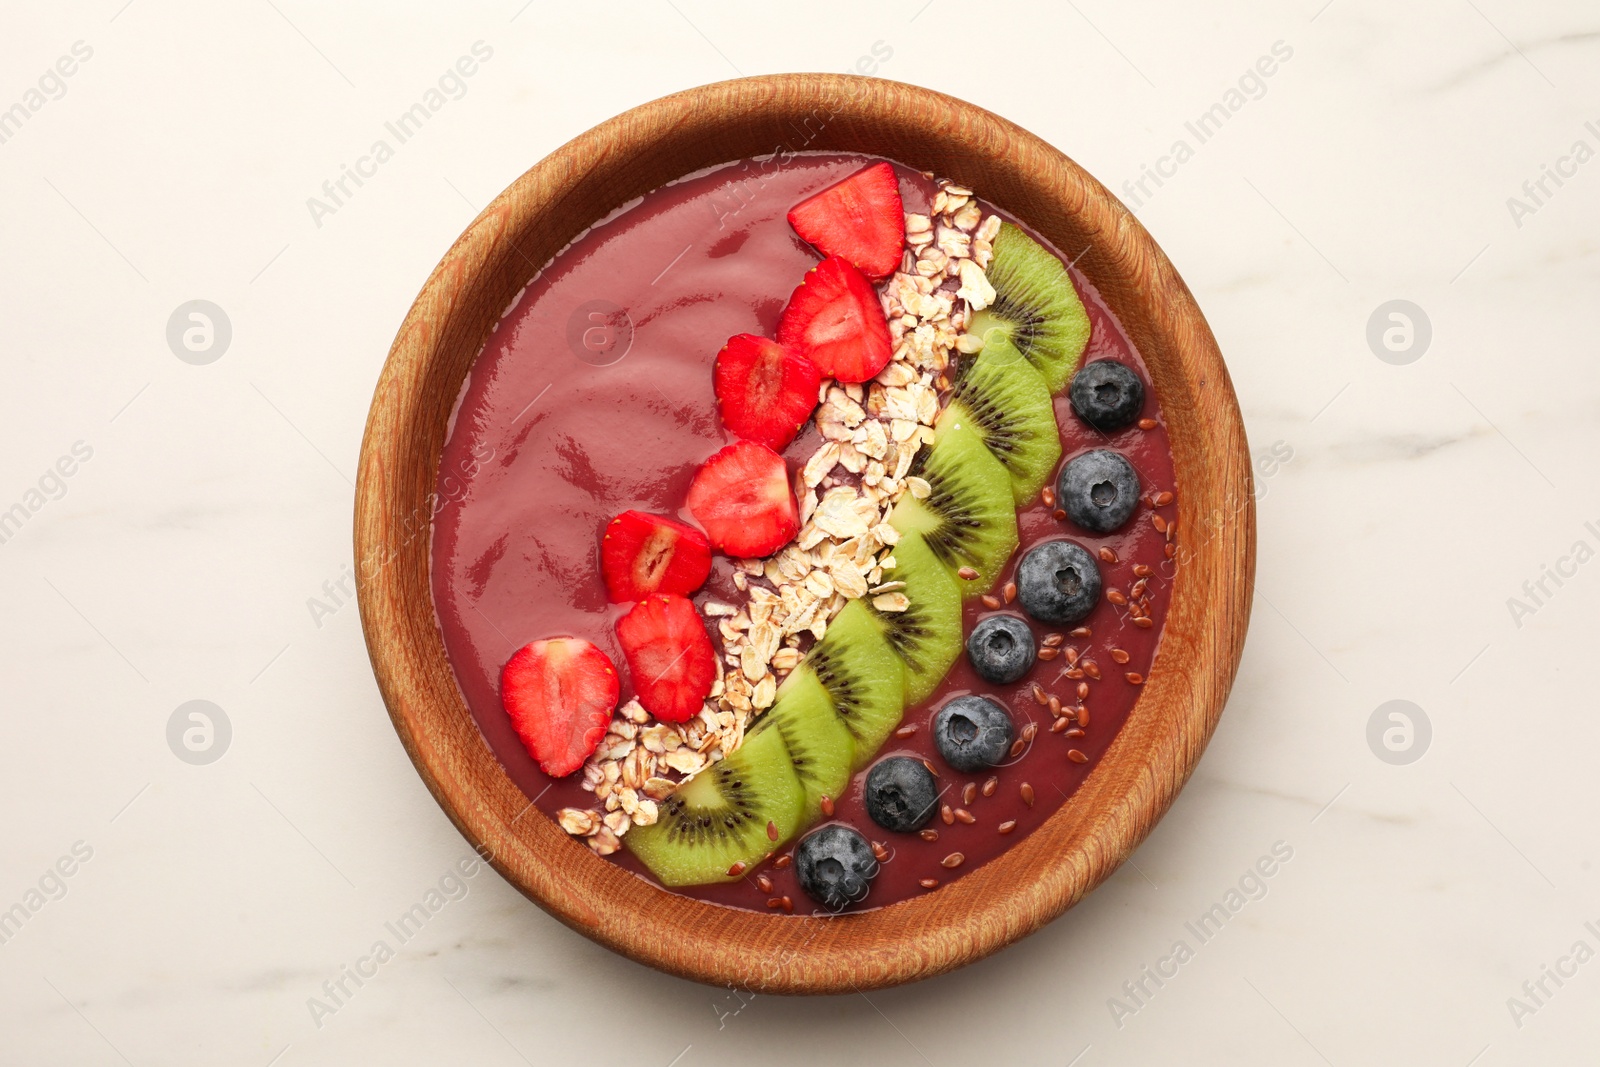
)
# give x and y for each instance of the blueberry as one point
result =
(835, 866)
(972, 733)
(901, 794)
(1106, 394)
(1001, 649)
(1099, 490)
(1058, 582)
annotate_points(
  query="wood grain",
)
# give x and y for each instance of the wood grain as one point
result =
(1044, 873)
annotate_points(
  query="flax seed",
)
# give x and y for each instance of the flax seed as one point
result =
(1075, 732)
(1060, 724)
(1076, 757)
(1092, 669)
(1009, 592)
(1134, 678)
(907, 730)
(1040, 697)
(1048, 654)
(969, 792)
(989, 786)
(928, 883)
(1159, 523)
(1072, 654)
(1143, 623)
(1027, 794)
(1073, 672)
(1017, 747)
(827, 806)
(736, 870)
(965, 817)
(1147, 424)
(1052, 640)
(1083, 690)
(1007, 826)
(967, 574)
(991, 602)
(1170, 550)
(1139, 587)
(1059, 514)
(786, 904)
(775, 903)
(879, 851)
(1030, 731)
(930, 834)
(772, 830)
(764, 883)
(1163, 499)
(1142, 570)
(947, 814)
(782, 861)
(1048, 495)
(955, 859)
(1119, 656)
(1083, 715)
(929, 764)
(1117, 597)
(1055, 705)
(1081, 631)
(1107, 556)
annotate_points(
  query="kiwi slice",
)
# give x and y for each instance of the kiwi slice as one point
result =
(821, 748)
(721, 816)
(863, 678)
(969, 518)
(927, 635)
(1035, 302)
(1000, 395)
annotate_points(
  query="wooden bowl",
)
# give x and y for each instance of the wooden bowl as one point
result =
(1044, 873)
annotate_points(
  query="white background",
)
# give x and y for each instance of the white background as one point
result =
(180, 561)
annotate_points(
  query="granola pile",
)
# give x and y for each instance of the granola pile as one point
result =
(872, 433)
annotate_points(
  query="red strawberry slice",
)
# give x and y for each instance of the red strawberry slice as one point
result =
(642, 554)
(765, 391)
(670, 658)
(835, 320)
(559, 694)
(741, 497)
(860, 219)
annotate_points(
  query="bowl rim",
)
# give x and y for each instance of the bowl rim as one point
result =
(1156, 749)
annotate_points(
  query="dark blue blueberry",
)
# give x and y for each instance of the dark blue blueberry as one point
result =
(901, 794)
(1058, 582)
(1001, 649)
(1106, 394)
(1099, 490)
(972, 733)
(835, 866)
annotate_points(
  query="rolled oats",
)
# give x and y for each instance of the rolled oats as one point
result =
(872, 433)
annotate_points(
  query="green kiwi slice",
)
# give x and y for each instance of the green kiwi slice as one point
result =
(857, 667)
(721, 816)
(820, 746)
(926, 637)
(1001, 396)
(1035, 302)
(969, 518)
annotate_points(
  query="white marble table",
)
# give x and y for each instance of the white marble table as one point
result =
(199, 547)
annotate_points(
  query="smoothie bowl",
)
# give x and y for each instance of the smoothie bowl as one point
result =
(805, 533)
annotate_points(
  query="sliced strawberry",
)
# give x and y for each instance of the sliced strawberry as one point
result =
(834, 319)
(642, 554)
(860, 219)
(559, 694)
(670, 658)
(765, 391)
(741, 496)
